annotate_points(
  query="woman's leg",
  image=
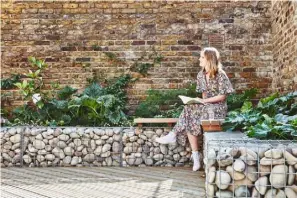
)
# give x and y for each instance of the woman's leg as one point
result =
(195, 155)
(193, 141)
(178, 128)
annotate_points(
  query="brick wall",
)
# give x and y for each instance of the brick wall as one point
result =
(284, 29)
(65, 33)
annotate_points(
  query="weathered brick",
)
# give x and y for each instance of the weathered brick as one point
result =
(185, 42)
(135, 5)
(235, 47)
(128, 11)
(138, 42)
(42, 11)
(226, 20)
(119, 5)
(52, 37)
(169, 42)
(102, 5)
(151, 42)
(68, 48)
(53, 5)
(178, 48)
(41, 43)
(32, 11)
(86, 5)
(36, 5)
(194, 48)
(83, 59)
(253, 46)
(70, 5)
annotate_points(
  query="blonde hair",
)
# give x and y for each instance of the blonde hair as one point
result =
(212, 55)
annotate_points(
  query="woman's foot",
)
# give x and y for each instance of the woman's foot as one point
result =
(196, 160)
(167, 139)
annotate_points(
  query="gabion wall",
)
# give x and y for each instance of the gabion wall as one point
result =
(251, 168)
(78, 146)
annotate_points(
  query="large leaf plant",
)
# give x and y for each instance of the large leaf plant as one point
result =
(274, 117)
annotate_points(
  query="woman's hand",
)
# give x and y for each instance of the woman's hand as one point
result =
(214, 99)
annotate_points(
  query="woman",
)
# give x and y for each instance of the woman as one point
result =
(214, 85)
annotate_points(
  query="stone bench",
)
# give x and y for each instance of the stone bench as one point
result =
(207, 125)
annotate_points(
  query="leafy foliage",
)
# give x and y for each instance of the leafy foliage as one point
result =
(235, 101)
(94, 90)
(100, 104)
(66, 92)
(164, 103)
(116, 87)
(34, 82)
(274, 117)
(141, 67)
(8, 83)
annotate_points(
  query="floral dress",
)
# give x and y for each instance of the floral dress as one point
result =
(189, 120)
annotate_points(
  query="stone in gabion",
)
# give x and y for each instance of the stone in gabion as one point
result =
(89, 158)
(106, 154)
(117, 137)
(104, 137)
(57, 132)
(234, 174)
(222, 180)
(74, 135)
(224, 159)
(239, 165)
(61, 144)
(278, 176)
(274, 153)
(38, 144)
(47, 147)
(109, 132)
(74, 161)
(106, 148)
(68, 151)
(27, 159)
(242, 191)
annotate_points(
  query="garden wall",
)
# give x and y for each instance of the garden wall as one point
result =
(73, 36)
(237, 166)
(284, 30)
(71, 146)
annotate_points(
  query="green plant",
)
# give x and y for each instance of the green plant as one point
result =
(116, 87)
(9, 83)
(142, 66)
(274, 117)
(235, 101)
(164, 103)
(95, 47)
(94, 90)
(25, 115)
(66, 92)
(34, 83)
(100, 104)
(102, 111)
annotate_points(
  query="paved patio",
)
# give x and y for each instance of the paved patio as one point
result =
(107, 182)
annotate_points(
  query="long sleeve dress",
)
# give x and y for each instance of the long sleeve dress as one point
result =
(192, 114)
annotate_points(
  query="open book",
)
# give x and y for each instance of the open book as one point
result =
(189, 100)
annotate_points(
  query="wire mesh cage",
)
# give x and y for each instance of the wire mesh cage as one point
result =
(251, 168)
(68, 146)
(141, 149)
(89, 146)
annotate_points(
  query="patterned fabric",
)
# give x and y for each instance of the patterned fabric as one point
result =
(189, 120)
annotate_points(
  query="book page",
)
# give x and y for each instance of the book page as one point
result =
(189, 100)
